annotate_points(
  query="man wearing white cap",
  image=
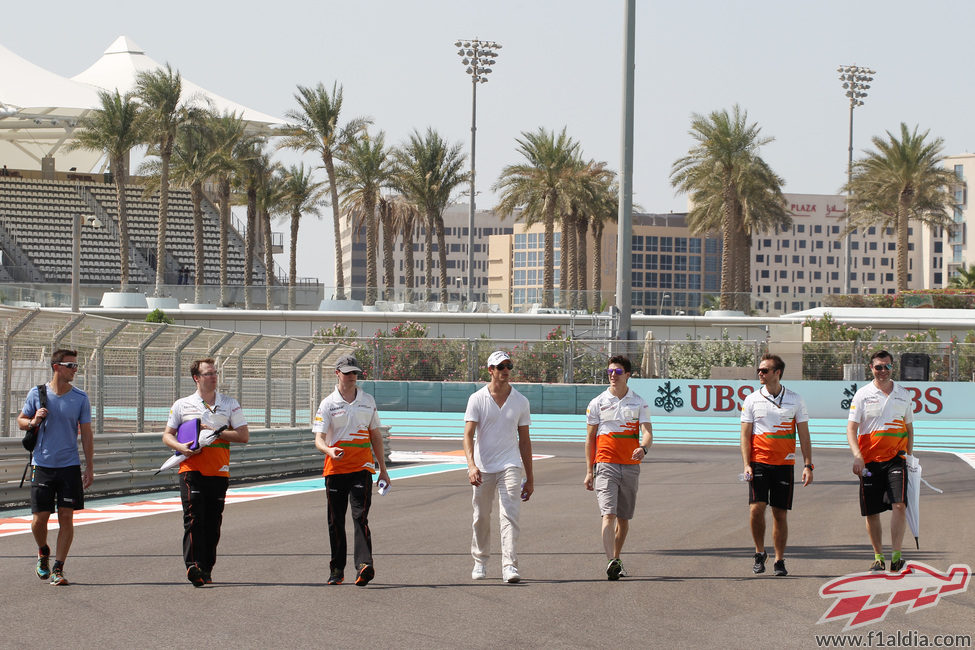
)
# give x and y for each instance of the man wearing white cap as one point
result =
(499, 453)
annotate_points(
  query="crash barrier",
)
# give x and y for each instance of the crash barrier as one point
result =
(126, 463)
(451, 397)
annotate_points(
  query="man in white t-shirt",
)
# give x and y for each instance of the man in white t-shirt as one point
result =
(498, 451)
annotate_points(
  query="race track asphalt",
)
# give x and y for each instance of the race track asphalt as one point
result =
(688, 555)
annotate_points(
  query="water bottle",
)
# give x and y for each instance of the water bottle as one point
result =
(744, 478)
(383, 487)
(524, 495)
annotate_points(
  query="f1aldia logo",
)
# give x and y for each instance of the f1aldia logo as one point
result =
(866, 598)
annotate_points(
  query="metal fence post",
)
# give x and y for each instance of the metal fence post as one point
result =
(219, 344)
(178, 361)
(141, 378)
(100, 376)
(268, 382)
(471, 360)
(240, 365)
(71, 324)
(294, 382)
(8, 367)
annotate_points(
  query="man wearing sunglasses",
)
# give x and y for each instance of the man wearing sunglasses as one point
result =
(770, 419)
(205, 474)
(880, 432)
(56, 476)
(347, 431)
(614, 451)
(499, 454)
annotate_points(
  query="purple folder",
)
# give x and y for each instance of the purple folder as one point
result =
(189, 433)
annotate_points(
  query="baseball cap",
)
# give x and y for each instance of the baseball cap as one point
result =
(497, 357)
(347, 363)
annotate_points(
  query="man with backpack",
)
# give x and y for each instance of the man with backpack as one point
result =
(59, 411)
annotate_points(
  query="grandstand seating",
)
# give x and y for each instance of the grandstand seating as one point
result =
(37, 216)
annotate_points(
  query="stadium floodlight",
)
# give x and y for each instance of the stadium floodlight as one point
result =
(856, 82)
(478, 57)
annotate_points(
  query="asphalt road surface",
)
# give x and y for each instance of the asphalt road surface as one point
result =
(688, 554)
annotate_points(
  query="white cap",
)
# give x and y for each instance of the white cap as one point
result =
(497, 357)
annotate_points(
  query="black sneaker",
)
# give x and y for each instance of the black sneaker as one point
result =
(366, 573)
(896, 565)
(759, 566)
(195, 575)
(878, 565)
(207, 579)
(335, 577)
(43, 567)
(779, 568)
(614, 569)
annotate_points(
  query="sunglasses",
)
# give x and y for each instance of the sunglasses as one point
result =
(67, 364)
(614, 371)
(763, 371)
(505, 366)
(883, 366)
(351, 372)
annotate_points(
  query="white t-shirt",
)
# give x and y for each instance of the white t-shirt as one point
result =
(882, 421)
(496, 434)
(341, 420)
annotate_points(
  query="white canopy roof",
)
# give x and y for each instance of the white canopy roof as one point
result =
(39, 109)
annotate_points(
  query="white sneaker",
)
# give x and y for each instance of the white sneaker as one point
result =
(510, 574)
(479, 572)
(623, 573)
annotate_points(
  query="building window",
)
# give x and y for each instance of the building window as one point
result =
(637, 262)
(680, 244)
(666, 262)
(637, 279)
(854, 245)
(667, 244)
(694, 246)
(819, 244)
(638, 242)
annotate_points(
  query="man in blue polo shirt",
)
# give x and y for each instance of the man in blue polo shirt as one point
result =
(57, 476)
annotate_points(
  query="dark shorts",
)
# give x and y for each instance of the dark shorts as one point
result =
(60, 484)
(772, 484)
(886, 485)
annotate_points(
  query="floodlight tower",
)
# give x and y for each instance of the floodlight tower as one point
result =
(856, 82)
(477, 56)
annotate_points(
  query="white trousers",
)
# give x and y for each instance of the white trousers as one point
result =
(507, 485)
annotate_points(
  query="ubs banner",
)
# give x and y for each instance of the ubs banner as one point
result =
(824, 399)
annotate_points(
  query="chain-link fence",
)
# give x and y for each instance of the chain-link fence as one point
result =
(134, 371)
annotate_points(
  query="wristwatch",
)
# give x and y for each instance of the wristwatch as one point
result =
(810, 466)
(645, 450)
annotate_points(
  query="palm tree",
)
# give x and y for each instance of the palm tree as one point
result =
(113, 129)
(366, 168)
(270, 197)
(229, 143)
(902, 180)
(316, 128)
(249, 180)
(428, 170)
(963, 278)
(160, 115)
(303, 195)
(593, 197)
(541, 186)
(717, 171)
(605, 208)
(406, 216)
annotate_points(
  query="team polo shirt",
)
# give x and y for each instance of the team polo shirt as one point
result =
(347, 425)
(57, 436)
(618, 425)
(214, 460)
(496, 435)
(882, 420)
(774, 422)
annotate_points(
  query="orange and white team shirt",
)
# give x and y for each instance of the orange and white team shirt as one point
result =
(347, 425)
(882, 420)
(618, 425)
(774, 421)
(214, 459)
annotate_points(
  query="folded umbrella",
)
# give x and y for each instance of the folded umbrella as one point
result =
(190, 433)
(914, 481)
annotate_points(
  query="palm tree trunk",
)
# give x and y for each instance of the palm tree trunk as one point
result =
(728, 249)
(428, 253)
(442, 256)
(580, 288)
(903, 207)
(293, 258)
(161, 225)
(597, 263)
(224, 192)
(566, 262)
(249, 243)
(743, 285)
(372, 283)
(409, 232)
(268, 258)
(119, 173)
(336, 225)
(548, 272)
(196, 195)
(386, 221)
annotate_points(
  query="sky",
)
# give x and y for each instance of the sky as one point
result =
(560, 66)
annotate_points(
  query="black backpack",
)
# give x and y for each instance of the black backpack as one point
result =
(30, 436)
